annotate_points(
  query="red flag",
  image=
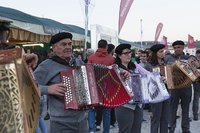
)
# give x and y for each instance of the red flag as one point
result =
(124, 8)
(158, 30)
(190, 41)
(165, 41)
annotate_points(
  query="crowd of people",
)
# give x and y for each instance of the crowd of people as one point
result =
(128, 116)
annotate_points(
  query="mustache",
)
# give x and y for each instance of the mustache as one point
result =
(68, 50)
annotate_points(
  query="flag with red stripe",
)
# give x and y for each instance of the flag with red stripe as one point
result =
(190, 41)
(165, 41)
(124, 9)
(158, 31)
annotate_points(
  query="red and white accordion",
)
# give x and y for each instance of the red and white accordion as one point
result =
(94, 85)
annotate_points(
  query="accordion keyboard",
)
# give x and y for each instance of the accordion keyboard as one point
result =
(93, 85)
(68, 94)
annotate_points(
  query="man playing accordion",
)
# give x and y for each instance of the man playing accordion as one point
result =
(182, 95)
(47, 75)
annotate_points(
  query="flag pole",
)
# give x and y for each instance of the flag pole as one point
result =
(87, 2)
(141, 33)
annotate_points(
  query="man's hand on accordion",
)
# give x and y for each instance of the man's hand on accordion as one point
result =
(57, 89)
(31, 59)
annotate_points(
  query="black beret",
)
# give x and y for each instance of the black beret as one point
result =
(157, 47)
(178, 42)
(62, 35)
(121, 47)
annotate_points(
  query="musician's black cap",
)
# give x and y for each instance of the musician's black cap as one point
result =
(156, 47)
(178, 42)
(59, 36)
(121, 47)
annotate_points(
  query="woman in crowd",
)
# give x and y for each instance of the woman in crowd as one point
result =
(129, 116)
(160, 110)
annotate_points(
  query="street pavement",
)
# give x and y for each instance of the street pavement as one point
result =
(194, 125)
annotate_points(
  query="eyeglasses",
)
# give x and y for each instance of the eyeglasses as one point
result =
(127, 53)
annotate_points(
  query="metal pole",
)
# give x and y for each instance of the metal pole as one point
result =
(141, 33)
(86, 26)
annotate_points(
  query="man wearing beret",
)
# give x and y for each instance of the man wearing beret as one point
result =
(47, 75)
(182, 95)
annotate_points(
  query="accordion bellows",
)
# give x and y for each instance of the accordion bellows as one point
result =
(94, 85)
(19, 97)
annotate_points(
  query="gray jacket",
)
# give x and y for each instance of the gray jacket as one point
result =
(171, 58)
(48, 73)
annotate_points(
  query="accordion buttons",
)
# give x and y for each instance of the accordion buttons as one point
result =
(68, 93)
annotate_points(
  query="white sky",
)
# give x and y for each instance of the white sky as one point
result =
(179, 17)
